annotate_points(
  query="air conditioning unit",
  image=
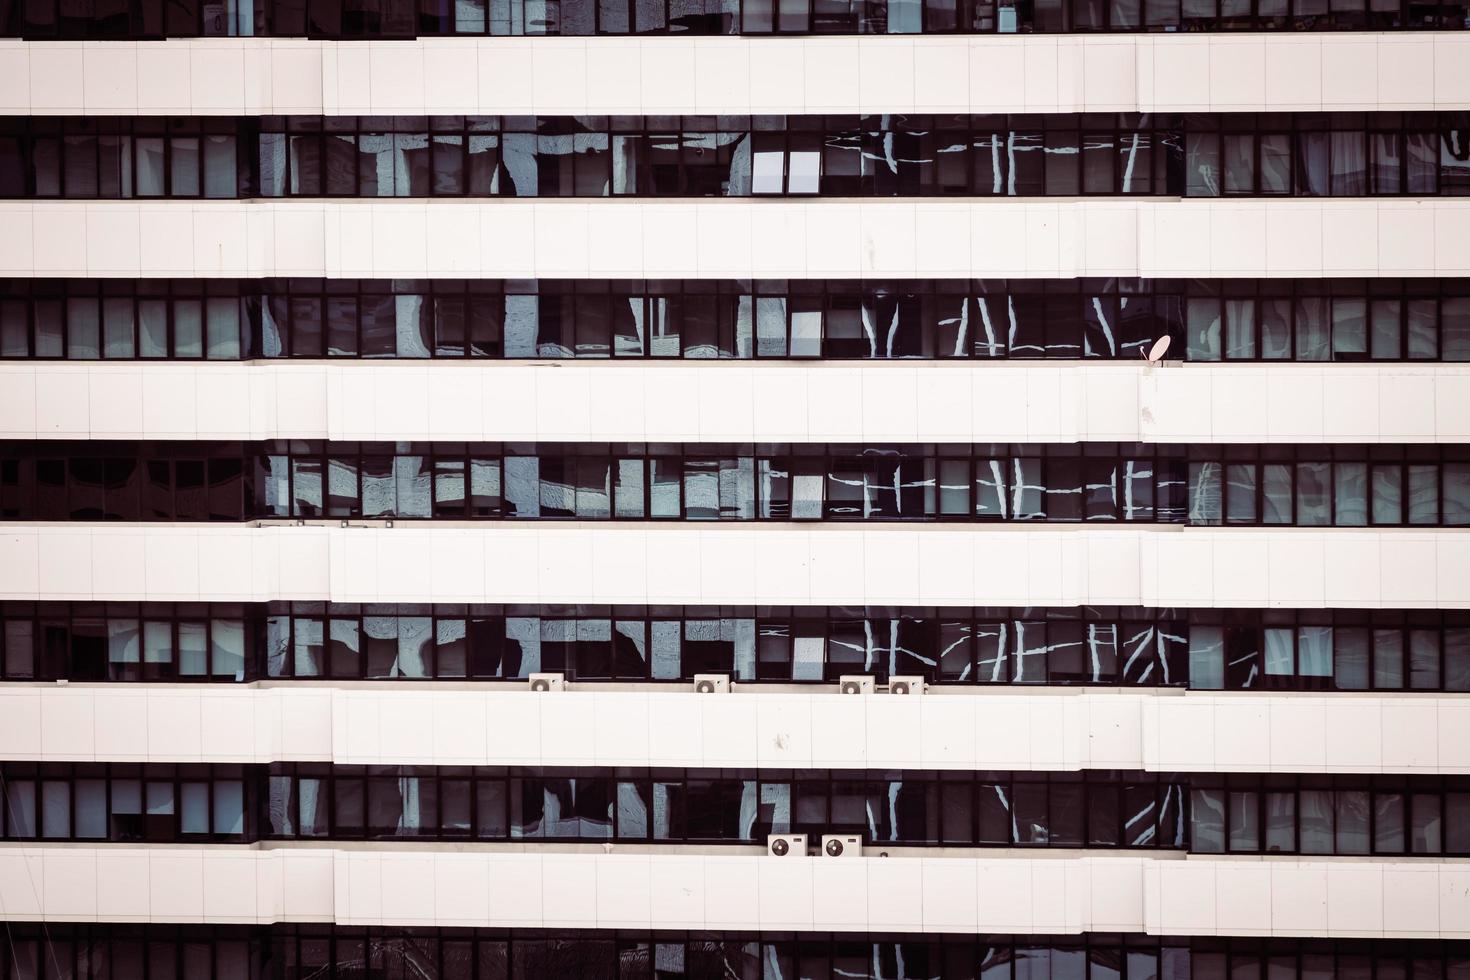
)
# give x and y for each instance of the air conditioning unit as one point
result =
(786, 845)
(548, 682)
(842, 846)
(906, 684)
(711, 683)
(855, 683)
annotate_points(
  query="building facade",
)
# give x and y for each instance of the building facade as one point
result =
(723, 489)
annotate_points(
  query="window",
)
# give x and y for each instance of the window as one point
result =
(405, 319)
(1306, 154)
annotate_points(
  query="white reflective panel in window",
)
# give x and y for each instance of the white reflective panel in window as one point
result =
(667, 644)
(806, 333)
(806, 170)
(807, 654)
(806, 496)
(767, 171)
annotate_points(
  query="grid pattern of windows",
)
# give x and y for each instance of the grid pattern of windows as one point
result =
(1245, 649)
(365, 19)
(1206, 320)
(295, 952)
(1194, 812)
(1348, 154)
(130, 802)
(1271, 485)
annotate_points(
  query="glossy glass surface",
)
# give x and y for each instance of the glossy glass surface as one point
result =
(1269, 485)
(1301, 154)
(1312, 320)
(1240, 649)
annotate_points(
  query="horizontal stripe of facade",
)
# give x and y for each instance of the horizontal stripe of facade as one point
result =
(949, 729)
(411, 887)
(578, 401)
(936, 564)
(741, 239)
(1186, 72)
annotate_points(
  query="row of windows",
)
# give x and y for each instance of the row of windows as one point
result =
(1343, 650)
(1206, 320)
(1199, 813)
(44, 951)
(1276, 485)
(1246, 155)
(366, 19)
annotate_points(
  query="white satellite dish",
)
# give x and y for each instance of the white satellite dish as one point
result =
(1158, 350)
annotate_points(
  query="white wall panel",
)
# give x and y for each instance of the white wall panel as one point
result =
(175, 884)
(744, 238)
(728, 75)
(841, 564)
(796, 401)
(1047, 729)
(381, 886)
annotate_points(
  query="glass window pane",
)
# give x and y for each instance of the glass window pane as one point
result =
(1313, 494)
(1351, 656)
(1388, 823)
(1314, 651)
(229, 806)
(1350, 494)
(55, 809)
(1316, 821)
(1206, 657)
(193, 652)
(184, 160)
(1280, 823)
(1207, 809)
(1245, 821)
(227, 648)
(1352, 821)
